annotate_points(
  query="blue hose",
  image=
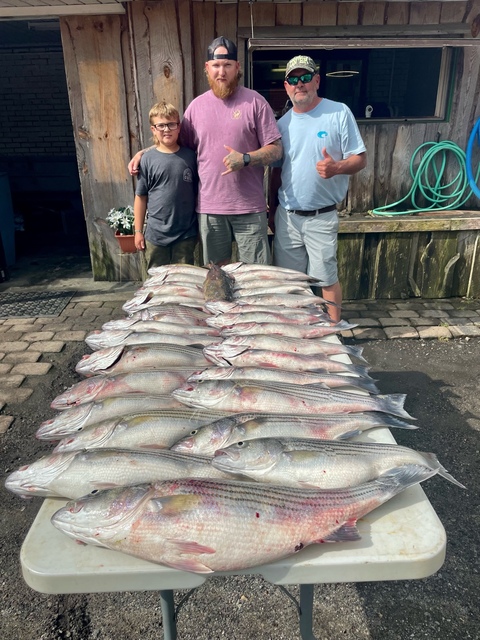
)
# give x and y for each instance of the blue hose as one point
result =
(471, 180)
(440, 196)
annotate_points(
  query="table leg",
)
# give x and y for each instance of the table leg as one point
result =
(306, 612)
(168, 615)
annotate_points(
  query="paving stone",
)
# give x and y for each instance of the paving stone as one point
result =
(393, 322)
(5, 422)
(422, 322)
(354, 306)
(365, 322)
(433, 313)
(452, 322)
(11, 336)
(32, 368)
(90, 314)
(5, 367)
(38, 336)
(23, 356)
(401, 332)
(404, 313)
(10, 347)
(370, 313)
(347, 334)
(54, 346)
(460, 331)
(13, 379)
(71, 313)
(410, 305)
(463, 313)
(19, 321)
(96, 303)
(368, 334)
(60, 326)
(434, 332)
(12, 396)
(71, 336)
(438, 304)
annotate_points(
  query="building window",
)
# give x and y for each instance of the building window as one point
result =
(406, 83)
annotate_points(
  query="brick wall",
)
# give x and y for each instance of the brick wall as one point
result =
(34, 110)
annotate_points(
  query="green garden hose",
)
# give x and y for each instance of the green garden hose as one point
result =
(428, 181)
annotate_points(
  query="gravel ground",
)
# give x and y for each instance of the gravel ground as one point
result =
(441, 383)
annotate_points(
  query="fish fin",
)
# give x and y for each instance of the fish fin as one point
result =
(349, 434)
(393, 404)
(189, 546)
(100, 486)
(348, 532)
(441, 469)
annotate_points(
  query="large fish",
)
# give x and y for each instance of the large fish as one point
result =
(241, 306)
(169, 269)
(124, 359)
(76, 418)
(218, 285)
(242, 271)
(295, 462)
(223, 320)
(214, 525)
(139, 304)
(329, 380)
(296, 331)
(291, 300)
(100, 387)
(160, 326)
(151, 430)
(278, 397)
(75, 474)
(272, 289)
(227, 430)
(297, 345)
(225, 355)
(105, 339)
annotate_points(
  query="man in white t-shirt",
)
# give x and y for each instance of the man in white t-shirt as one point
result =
(235, 135)
(322, 148)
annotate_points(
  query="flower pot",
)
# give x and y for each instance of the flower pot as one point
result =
(127, 243)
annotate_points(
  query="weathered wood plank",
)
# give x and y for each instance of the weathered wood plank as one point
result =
(203, 34)
(372, 13)
(425, 12)
(186, 38)
(464, 280)
(361, 184)
(263, 15)
(93, 61)
(453, 11)
(436, 265)
(350, 260)
(320, 13)
(438, 221)
(288, 14)
(347, 13)
(393, 259)
(397, 13)
(226, 21)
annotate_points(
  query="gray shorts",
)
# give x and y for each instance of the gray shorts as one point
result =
(249, 230)
(179, 252)
(307, 244)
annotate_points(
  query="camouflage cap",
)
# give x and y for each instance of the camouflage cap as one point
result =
(300, 62)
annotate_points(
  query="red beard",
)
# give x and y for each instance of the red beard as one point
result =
(223, 90)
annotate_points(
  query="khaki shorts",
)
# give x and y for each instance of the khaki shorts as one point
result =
(307, 244)
(249, 230)
(180, 252)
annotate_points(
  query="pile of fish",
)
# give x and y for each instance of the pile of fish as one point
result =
(213, 426)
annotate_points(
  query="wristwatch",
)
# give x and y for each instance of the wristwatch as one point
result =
(246, 159)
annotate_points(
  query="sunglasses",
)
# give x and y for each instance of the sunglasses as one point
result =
(305, 78)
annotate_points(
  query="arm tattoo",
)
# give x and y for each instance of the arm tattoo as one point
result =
(267, 154)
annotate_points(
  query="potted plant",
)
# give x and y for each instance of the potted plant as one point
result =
(122, 221)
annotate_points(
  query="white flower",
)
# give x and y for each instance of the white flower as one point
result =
(121, 220)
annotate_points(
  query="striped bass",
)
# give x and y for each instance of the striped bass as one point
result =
(224, 355)
(286, 344)
(76, 418)
(124, 359)
(105, 339)
(177, 523)
(168, 269)
(329, 380)
(230, 429)
(75, 474)
(278, 397)
(291, 331)
(151, 430)
(100, 387)
(161, 326)
(241, 306)
(223, 320)
(296, 462)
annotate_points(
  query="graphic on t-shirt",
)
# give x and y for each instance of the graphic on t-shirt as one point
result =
(187, 175)
(322, 134)
(236, 114)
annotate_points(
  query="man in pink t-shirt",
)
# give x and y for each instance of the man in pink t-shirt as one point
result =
(234, 133)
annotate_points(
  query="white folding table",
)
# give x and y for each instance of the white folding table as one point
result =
(401, 540)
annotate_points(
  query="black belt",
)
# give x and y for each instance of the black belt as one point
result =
(314, 212)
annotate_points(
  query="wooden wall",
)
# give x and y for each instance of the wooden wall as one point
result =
(118, 66)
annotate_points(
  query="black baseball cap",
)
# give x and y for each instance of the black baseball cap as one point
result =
(222, 42)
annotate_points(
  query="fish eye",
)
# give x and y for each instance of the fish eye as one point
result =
(94, 491)
(194, 432)
(240, 444)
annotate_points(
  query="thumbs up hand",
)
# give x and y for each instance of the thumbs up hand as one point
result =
(326, 168)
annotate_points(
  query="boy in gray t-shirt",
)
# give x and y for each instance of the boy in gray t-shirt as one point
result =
(167, 188)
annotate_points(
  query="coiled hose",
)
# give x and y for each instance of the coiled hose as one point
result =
(432, 165)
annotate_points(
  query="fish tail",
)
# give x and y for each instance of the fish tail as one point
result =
(358, 369)
(355, 351)
(391, 421)
(393, 403)
(399, 478)
(432, 458)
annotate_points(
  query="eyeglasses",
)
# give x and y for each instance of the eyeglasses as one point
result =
(163, 126)
(305, 78)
